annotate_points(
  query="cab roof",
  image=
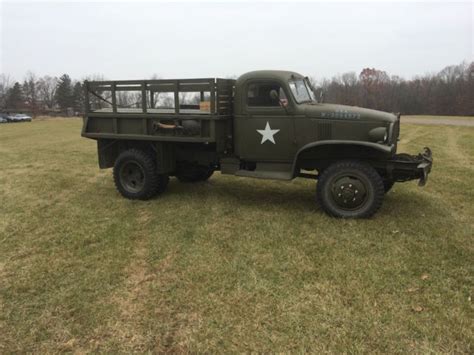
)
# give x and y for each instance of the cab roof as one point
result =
(282, 75)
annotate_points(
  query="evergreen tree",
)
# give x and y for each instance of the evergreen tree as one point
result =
(64, 92)
(78, 97)
(15, 99)
(30, 91)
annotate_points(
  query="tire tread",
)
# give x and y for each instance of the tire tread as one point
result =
(154, 182)
(366, 169)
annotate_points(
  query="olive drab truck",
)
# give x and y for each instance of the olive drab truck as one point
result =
(265, 124)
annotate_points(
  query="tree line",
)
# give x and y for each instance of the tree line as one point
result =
(448, 92)
(41, 94)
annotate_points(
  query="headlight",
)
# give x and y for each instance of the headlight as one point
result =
(378, 135)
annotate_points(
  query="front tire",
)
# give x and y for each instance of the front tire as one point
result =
(350, 189)
(135, 175)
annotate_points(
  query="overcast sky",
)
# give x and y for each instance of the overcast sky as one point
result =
(131, 40)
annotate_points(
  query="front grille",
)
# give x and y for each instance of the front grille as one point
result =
(395, 132)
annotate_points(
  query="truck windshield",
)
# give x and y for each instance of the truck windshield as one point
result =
(301, 91)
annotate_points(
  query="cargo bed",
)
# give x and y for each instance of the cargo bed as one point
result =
(141, 109)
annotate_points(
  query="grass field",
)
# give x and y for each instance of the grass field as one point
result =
(232, 264)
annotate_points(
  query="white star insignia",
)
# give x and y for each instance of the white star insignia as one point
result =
(268, 133)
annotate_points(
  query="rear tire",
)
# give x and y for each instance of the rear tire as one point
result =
(135, 175)
(350, 189)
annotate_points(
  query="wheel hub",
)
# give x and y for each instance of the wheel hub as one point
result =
(349, 192)
(132, 177)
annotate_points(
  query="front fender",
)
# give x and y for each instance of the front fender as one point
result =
(360, 150)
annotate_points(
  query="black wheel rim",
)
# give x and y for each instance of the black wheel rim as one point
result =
(132, 177)
(349, 192)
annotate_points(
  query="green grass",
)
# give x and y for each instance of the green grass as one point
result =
(232, 264)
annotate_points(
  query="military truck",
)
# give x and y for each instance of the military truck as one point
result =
(266, 124)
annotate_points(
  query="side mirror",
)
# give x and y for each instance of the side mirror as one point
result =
(274, 95)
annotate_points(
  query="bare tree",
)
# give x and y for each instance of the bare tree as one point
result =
(30, 91)
(5, 85)
(47, 91)
(123, 99)
(452, 73)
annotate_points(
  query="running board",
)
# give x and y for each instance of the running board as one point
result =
(268, 171)
(259, 174)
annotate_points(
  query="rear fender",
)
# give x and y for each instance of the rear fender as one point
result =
(163, 154)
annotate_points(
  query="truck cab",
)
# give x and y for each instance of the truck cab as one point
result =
(266, 124)
(276, 118)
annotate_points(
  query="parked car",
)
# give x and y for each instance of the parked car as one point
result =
(16, 117)
(19, 117)
(3, 118)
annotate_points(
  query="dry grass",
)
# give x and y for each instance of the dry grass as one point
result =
(232, 264)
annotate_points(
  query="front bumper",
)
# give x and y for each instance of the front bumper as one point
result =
(405, 167)
(425, 165)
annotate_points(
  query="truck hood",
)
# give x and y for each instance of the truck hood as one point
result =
(344, 112)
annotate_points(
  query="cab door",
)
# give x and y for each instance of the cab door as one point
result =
(265, 130)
